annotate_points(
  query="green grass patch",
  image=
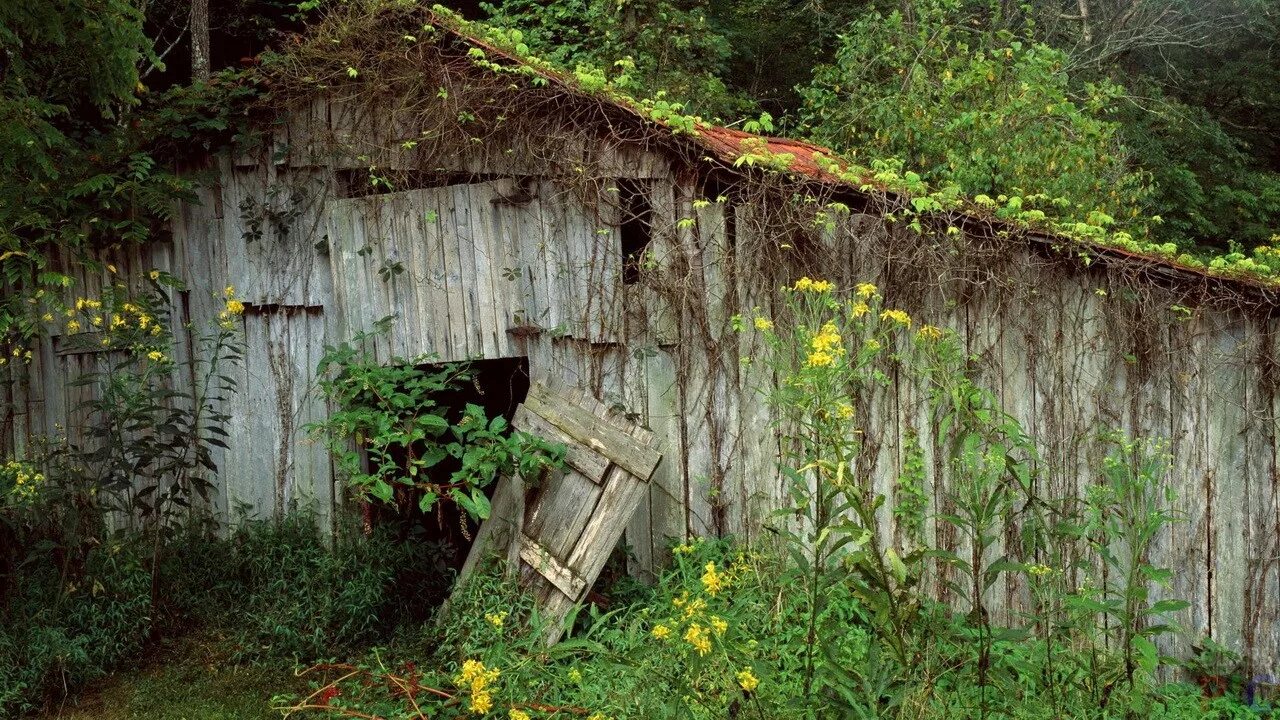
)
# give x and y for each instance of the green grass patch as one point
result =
(190, 679)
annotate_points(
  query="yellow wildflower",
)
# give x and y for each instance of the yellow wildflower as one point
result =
(712, 580)
(807, 284)
(155, 274)
(515, 714)
(229, 291)
(117, 322)
(860, 309)
(235, 307)
(698, 637)
(144, 321)
(929, 332)
(763, 324)
(820, 359)
(47, 317)
(845, 411)
(1039, 570)
(896, 316)
(155, 356)
(598, 716)
(79, 303)
(694, 607)
(747, 680)
(719, 625)
(496, 619)
(827, 339)
(478, 677)
(106, 341)
(662, 632)
(866, 291)
(96, 321)
(73, 326)
(155, 329)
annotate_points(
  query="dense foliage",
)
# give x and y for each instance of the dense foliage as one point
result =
(984, 111)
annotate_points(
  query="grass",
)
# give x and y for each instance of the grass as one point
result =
(188, 679)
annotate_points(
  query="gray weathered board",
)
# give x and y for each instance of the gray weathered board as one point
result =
(557, 536)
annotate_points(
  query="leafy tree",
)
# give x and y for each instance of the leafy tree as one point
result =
(981, 110)
(69, 79)
(1206, 185)
(650, 46)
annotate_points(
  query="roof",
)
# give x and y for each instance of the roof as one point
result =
(729, 145)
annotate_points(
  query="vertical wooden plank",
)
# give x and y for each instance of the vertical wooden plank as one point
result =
(1262, 514)
(1228, 480)
(1189, 541)
(456, 277)
(436, 317)
(666, 491)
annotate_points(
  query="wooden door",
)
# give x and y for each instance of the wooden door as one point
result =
(557, 536)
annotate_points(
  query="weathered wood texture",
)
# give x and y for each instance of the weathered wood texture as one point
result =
(476, 269)
(558, 537)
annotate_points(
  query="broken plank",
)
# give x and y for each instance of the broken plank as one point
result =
(550, 567)
(583, 459)
(594, 432)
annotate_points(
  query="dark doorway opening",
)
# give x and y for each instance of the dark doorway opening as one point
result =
(445, 533)
(637, 228)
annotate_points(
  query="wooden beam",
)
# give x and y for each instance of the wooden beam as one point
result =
(594, 432)
(547, 565)
(583, 459)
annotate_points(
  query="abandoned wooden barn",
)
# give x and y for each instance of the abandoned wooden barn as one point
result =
(499, 212)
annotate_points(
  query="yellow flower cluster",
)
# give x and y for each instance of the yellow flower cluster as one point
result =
(929, 332)
(747, 680)
(127, 315)
(1039, 570)
(515, 714)
(866, 291)
(234, 307)
(496, 619)
(844, 411)
(699, 638)
(859, 309)
(16, 352)
(712, 581)
(26, 480)
(763, 324)
(807, 284)
(478, 678)
(896, 316)
(826, 346)
(662, 632)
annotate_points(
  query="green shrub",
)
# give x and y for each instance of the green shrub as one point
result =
(56, 633)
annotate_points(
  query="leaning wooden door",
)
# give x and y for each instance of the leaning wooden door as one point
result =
(557, 536)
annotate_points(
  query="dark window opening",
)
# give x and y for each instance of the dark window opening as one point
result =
(443, 536)
(724, 192)
(637, 228)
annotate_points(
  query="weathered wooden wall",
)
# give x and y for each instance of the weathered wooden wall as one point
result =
(466, 273)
